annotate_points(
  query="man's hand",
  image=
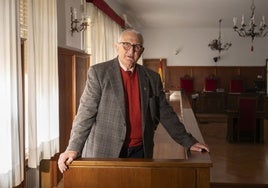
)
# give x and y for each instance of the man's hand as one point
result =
(66, 158)
(199, 147)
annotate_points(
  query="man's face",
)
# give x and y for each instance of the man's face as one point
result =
(129, 49)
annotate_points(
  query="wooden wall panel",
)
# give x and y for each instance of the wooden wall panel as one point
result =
(199, 73)
(212, 102)
(199, 76)
(250, 74)
(173, 76)
(81, 68)
(224, 74)
(65, 98)
(72, 68)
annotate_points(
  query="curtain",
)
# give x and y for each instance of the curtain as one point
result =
(11, 128)
(103, 34)
(42, 103)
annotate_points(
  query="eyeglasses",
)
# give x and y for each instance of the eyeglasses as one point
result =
(127, 46)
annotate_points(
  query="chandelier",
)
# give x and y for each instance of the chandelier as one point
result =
(78, 24)
(217, 44)
(251, 30)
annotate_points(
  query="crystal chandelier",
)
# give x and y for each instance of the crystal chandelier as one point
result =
(251, 30)
(217, 44)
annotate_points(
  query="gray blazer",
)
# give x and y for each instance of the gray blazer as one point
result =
(99, 128)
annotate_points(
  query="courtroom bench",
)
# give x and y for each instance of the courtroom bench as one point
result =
(219, 102)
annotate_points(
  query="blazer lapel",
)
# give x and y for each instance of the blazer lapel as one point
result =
(144, 91)
(117, 85)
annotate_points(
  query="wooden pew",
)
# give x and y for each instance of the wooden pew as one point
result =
(170, 167)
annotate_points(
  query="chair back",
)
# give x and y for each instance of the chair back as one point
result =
(186, 84)
(247, 116)
(211, 83)
(236, 85)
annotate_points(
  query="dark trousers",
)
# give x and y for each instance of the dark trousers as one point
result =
(132, 152)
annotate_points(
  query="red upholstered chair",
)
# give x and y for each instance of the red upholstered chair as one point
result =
(186, 84)
(246, 125)
(211, 83)
(236, 85)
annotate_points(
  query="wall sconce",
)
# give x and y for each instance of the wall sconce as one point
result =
(78, 25)
(177, 50)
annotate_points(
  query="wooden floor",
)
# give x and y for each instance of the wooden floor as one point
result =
(235, 164)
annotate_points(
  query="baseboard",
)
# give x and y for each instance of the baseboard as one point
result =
(237, 185)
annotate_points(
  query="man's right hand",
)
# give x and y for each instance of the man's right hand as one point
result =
(66, 158)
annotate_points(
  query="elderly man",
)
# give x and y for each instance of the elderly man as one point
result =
(120, 108)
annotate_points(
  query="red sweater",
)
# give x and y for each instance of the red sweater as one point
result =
(133, 108)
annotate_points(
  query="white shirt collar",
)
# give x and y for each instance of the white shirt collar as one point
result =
(125, 68)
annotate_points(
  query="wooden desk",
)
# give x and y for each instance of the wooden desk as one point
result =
(210, 102)
(141, 173)
(233, 98)
(171, 166)
(233, 118)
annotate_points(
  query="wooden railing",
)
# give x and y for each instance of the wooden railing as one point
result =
(170, 167)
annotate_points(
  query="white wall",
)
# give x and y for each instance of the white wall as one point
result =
(61, 22)
(191, 42)
(193, 47)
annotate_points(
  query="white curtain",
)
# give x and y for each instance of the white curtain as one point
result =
(104, 35)
(43, 111)
(11, 126)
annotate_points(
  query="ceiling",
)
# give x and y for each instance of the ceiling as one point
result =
(190, 13)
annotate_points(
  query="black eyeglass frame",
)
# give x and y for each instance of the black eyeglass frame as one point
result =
(128, 45)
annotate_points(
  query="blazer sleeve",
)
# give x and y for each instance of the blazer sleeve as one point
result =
(170, 120)
(86, 114)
